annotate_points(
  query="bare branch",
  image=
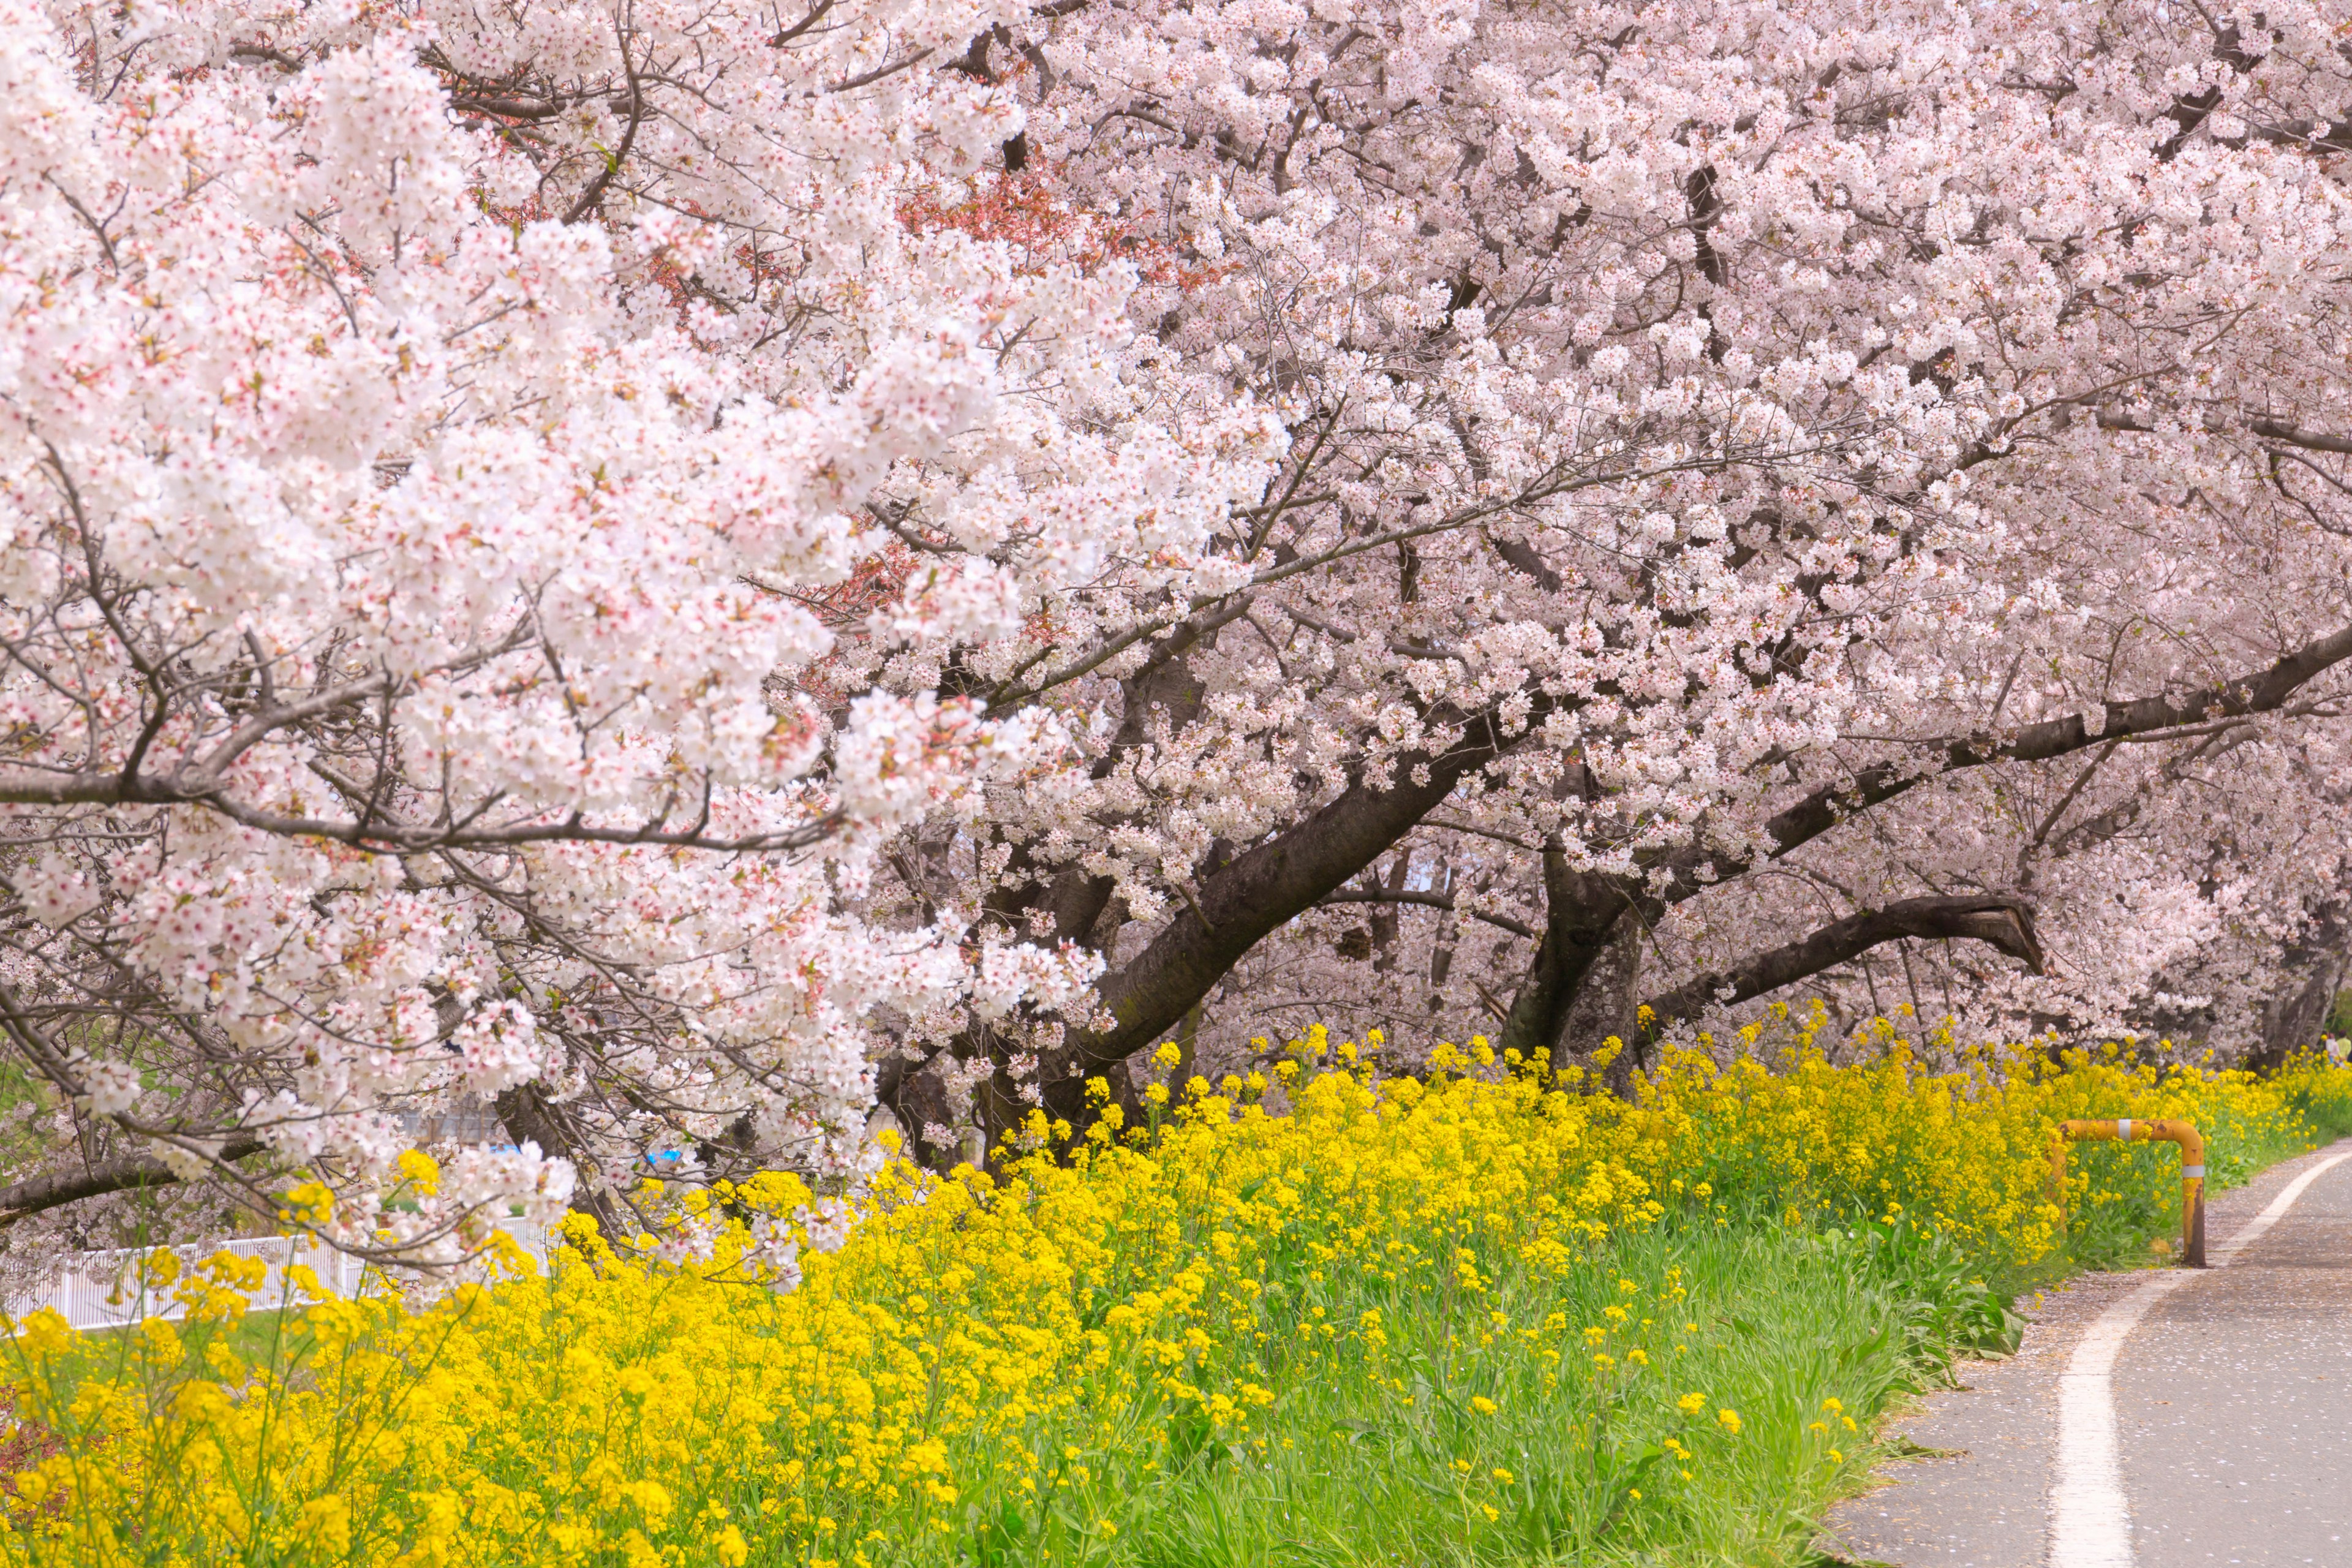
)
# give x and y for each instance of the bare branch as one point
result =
(1431, 900)
(2000, 921)
(36, 1193)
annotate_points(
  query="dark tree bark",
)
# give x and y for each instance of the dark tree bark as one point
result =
(1386, 917)
(2001, 921)
(1256, 892)
(1606, 1007)
(1578, 925)
(1165, 692)
(1581, 910)
(62, 1187)
(1441, 953)
(2312, 969)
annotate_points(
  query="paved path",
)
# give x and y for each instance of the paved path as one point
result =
(2232, 1414)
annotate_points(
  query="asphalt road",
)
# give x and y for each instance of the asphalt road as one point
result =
(2231, 1397)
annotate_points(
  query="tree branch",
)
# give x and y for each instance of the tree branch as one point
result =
(1998, 919)
(1430, 901)
(379, 831)
(55, 1191)
(1263, 888)
(2311, 440)
(2255, 691)
(1583, 907)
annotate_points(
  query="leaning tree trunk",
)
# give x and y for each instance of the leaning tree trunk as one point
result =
(1606, 1007)
(2294, 1016)
(1583, 914)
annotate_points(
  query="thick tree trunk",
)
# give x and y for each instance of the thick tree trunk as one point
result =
(1606, 1006)
(2311, 972)
(1581, 912)
(1255, 892)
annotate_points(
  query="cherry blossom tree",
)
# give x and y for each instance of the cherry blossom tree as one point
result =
(444, 454)
(1765, 482)
(663, 575)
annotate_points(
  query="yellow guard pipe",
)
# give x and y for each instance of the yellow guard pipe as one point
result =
(2192, 1170)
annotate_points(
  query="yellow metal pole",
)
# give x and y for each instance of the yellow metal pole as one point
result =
(2128, 1129)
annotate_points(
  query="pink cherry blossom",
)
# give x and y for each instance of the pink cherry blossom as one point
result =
(591, 585)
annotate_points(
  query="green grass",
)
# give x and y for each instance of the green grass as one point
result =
(1785, 1319)
(24, 1100)
(1461, 1445)
(1479, 1433)
(1478, 1428)
(259, 1338)
(2331, 1114)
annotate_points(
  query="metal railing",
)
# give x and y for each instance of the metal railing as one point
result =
(109, 1290)
(2126, 1131)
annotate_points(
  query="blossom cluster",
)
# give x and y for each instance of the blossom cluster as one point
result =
(634, 583)
(448, 597)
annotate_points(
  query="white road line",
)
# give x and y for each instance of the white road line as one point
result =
(2090, 1520)
(2252, 1231)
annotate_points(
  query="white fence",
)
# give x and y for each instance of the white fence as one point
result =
(107, 1290)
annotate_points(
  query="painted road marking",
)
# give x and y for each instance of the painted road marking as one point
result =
(2090, 1520)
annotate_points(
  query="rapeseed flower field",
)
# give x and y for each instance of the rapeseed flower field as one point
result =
(1309, 1316)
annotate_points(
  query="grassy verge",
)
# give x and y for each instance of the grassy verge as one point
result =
(1484, 1319)
(2322, 1100)
(1740, 1366)
(1689, 1394)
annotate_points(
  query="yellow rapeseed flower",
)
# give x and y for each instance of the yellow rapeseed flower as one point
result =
(1055, 1335)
